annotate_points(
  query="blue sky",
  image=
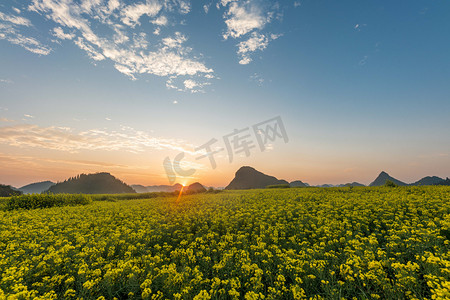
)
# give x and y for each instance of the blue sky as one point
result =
(112, 85)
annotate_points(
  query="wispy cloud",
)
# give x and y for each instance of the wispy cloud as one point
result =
(6, 120)
(7, 81)
(242, 18)
(16, 20)
(257, 78)
(246, 20)
(127, 46)
(363, 61)
(132, 13)
(358, 27)
(69, 140)
(255, 42)
(59, 33)
(11, 28)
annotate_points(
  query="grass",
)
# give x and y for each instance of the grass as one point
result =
(33, 201)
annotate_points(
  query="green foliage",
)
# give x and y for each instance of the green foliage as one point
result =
(7, 191)
(133, 196)
(33, 201)
(213, 191)
(278, 186)
(390, 183)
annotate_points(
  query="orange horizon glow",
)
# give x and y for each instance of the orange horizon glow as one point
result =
(19, 167)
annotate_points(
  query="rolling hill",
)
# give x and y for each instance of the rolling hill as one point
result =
(429, 180)
(156, 188)
(195, 188)
(249, 178)
(7, 191)
(383, 177)
(37, 187)
(98, 183)
(298, 183)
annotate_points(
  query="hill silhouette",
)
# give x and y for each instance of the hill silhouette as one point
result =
(353, 184)
(36, 188)
(383, 177)
(139, 188)
(195, 188)
(156, 188)
(98, 183)
(8, 191)
(326, 185)
(444, 182)
(297, 183)
(429, 180)
(249, 178)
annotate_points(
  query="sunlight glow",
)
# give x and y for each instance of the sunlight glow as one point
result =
(179, 195)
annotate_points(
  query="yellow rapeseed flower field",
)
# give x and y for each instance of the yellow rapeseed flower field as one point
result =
(303, 243)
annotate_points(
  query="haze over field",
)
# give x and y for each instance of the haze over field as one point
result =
(120, 87)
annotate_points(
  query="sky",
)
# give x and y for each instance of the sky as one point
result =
(158, 91)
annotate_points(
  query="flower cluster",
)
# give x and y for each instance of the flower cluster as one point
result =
(305, 243)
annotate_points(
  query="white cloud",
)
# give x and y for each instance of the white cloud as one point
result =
(6, 81)
(89, 49)
(16, 10)
(66, 139)
(174, 42)
(11, 30)
(297, 3)
(160, 21)
(127, 47)
(358, 27)
(16, 20)
(256, 42)
(190, 84)
(132, 13)
(245, 60)
(243, 17)
(245, 20)
(194, 86)
(257, 78)
(59, 33)
(181, 6)
(12, 34)
(28, 116)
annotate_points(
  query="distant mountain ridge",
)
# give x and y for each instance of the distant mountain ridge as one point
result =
(298, 183)
(37, 187)
(444, 182)
(156, 188)
(383, 177)
(429, 180)
(249, 178)
(7, 191)
(98, 183)
(196, 187)
(352, 184)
